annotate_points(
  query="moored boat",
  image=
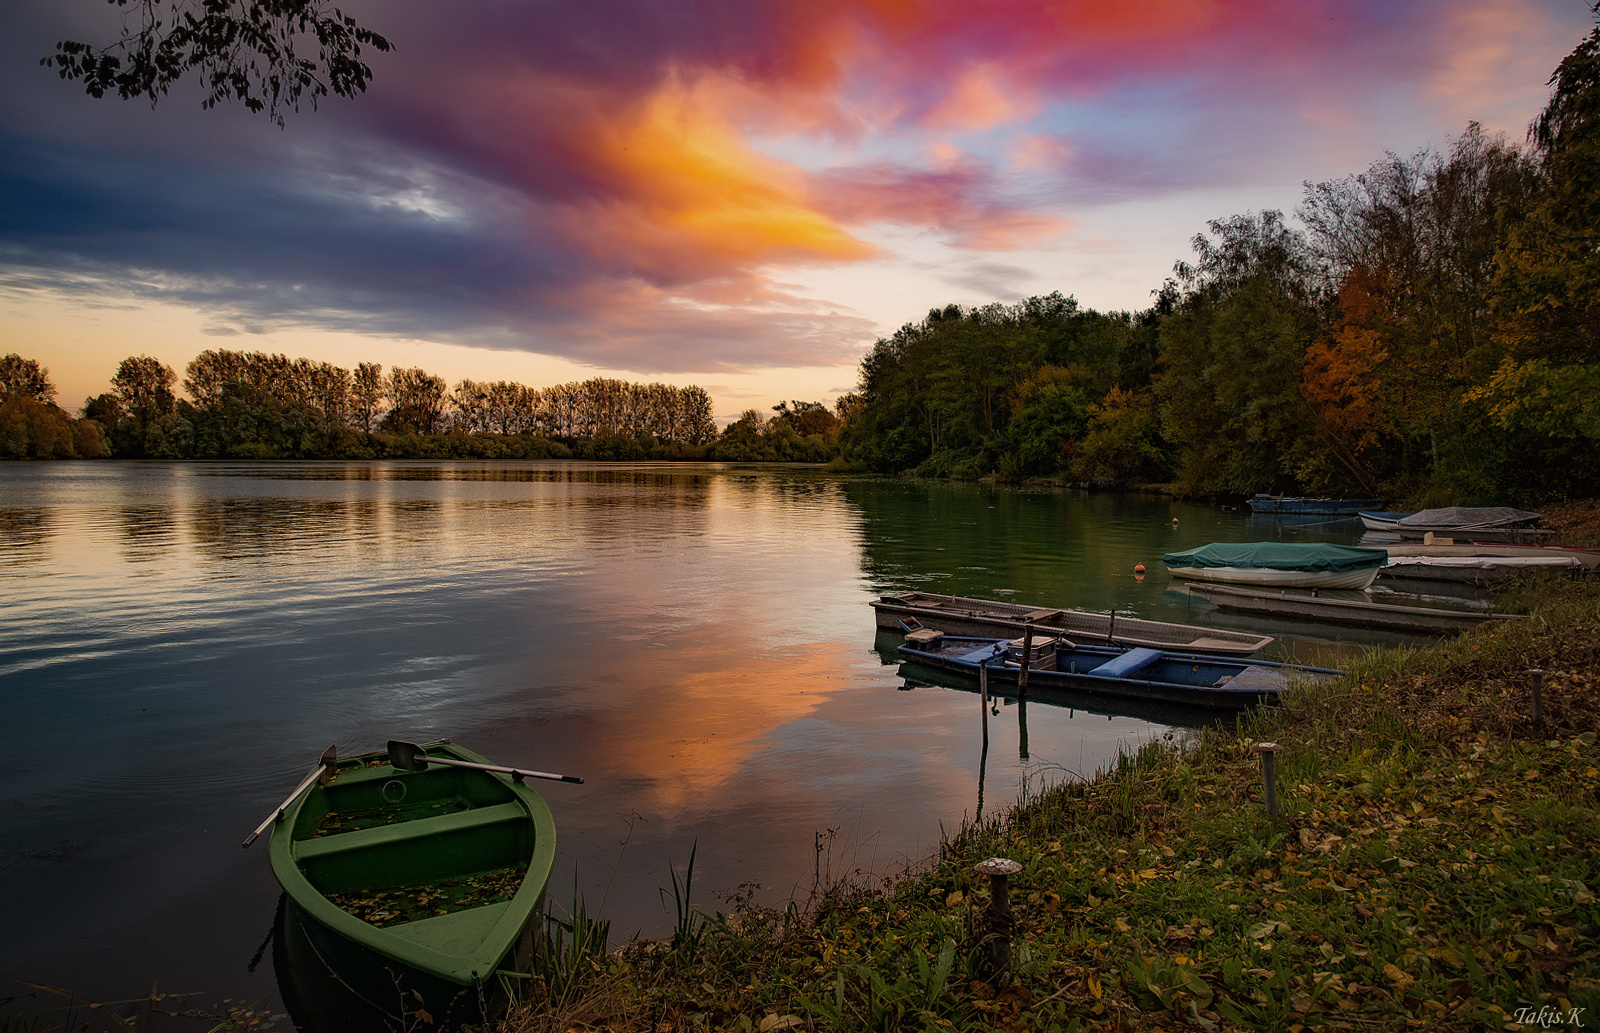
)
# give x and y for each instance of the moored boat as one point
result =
(1057, 665)
(1430, 620)
(1467, 521)
(1478, 570)
(1278, 564)
(959, 615)
(1381, 520)
(418, 889)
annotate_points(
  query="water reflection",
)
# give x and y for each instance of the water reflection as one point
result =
(24, 531)
(314, 997)
(695, 641)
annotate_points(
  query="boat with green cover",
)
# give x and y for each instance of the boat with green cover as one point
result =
(1279, 564)
(417, 889)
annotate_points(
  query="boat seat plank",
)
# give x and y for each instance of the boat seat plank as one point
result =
(405, 830)
(1128, 664)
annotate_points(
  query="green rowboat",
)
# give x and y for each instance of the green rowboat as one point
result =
(416, 888)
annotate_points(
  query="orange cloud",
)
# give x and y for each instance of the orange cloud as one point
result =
(982, 97)
(691, 181)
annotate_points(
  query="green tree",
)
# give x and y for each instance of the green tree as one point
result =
(1548, 287)
(1229, 394)
(1051, 414)
(148, 424)
(1123, 447)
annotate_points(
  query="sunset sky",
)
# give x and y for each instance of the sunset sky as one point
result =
(740, 194)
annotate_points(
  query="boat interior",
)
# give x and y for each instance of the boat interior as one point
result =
(1141, 664)
(417, 845)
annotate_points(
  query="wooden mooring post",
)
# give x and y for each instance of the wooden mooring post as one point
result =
(1269, 776)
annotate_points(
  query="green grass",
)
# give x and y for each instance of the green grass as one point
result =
(1432, 866)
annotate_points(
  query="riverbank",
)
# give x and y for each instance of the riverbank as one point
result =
(1432, 865)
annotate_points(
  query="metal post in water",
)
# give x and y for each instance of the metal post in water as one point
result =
(1538, 695)
(1027, 648)
(1111, 628)
(1022, 727)
(983, 698)
(1269, 776)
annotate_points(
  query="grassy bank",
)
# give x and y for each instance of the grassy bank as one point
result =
(1433, 865)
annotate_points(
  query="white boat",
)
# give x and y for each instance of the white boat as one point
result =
(1382, 521)
(1278, 564)
(1264, 577)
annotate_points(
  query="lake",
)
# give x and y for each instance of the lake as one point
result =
(181, 641)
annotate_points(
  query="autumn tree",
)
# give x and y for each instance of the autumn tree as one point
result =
(144, 387)
(368, 391)
(1411, 244)
(32, 426)
(25, 378)
(1123, 446)
(807, 418)
(418, 401)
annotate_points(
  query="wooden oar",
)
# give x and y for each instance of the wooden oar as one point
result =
(408, 756)
(330, 756)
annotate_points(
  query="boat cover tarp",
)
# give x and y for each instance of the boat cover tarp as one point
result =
(1464, 516)
(1278, 556)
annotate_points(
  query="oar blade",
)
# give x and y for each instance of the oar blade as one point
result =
(330, 764)
(407, 756)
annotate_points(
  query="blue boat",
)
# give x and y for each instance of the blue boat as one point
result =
(1301, 504)
(1059, 665)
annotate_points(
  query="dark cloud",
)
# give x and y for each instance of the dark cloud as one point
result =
(574, 179)
(992, 280)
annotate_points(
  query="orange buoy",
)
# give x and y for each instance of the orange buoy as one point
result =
(1138, 568)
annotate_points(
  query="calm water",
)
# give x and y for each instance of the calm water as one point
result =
(180, 642)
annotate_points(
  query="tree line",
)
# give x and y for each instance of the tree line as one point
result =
(1430, 330)
(254, 405)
